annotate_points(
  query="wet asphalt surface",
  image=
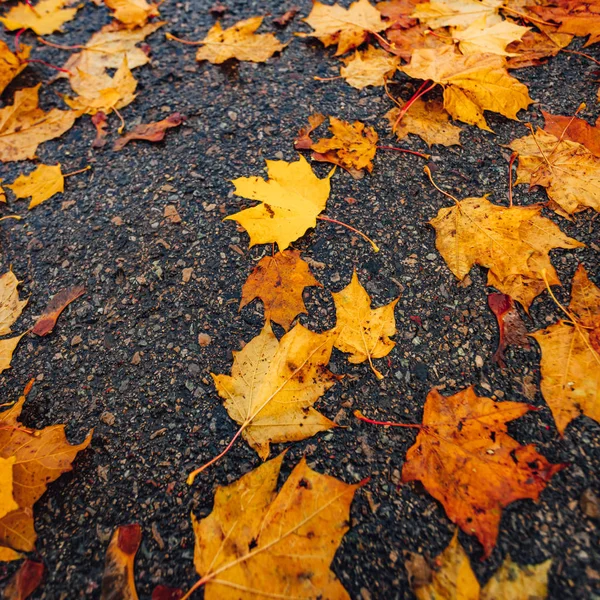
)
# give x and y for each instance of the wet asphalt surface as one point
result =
(125, 358)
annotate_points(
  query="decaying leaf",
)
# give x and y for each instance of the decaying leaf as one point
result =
(574, 129)
(348, 28)
(24, 126)
(428, 120)
(361, 331)
(239, 42)
(279, 282)
(10, 305)
(274, 384)
(118, 582)
(511, 329)
(534, 47)
(352, 147)
(472, 84)
(570, 362)
(279, 544)
(456, 13)
(568, 170)
(7, 349)
(372, 66)
(45, 324)
(11, 63)
(453, 577)
(41, 184)
(304, 141)
(291, 199)
(513, 243)
(133, 13)
(482, 37)
(465, 458)
(100, 123)
(150, 132)
(41, 456)
(25, 581)
(46, 17)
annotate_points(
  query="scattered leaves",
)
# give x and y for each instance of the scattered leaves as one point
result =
(45, 324)
(41, 184)
(151, 132)
(46, 17)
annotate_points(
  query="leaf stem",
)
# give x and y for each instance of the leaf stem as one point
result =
(404, 150)
(17, 217)
(583, 54)
(362, 417)
(426, 86)
(174, 38)
(78, 171)
(46, 64)
(365, 237)
(428, 173)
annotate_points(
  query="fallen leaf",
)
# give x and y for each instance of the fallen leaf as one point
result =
(570, 363)
(398, 13)
(372, 66)
(12, 63)
(304, 141)
(404, 42)
(24, 126)
(534, 47)
(513, 243)
(472, 83)
(529, 582)
(7, 348)
(574, 129)
(578, 17)
(481, 37)
(133, 13)
(352, 147)
(291, 199)
(280, 544)
(455, 13)
(162, 592)
(287, 17)
(118, 581)
(41, 457)
(279, 282)
(361, 331)
(568, 170)
(7, 502)
(100, 123)
(348, 28)
(41, 184)
(465, 458)
(45, 324)
(239, 42)
(151, 132)
(10, 305)
(428, 120)
(273, 385)
(511, 329)
(46, 17)
(25, 581)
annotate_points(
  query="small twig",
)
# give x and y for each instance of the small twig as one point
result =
(513, 156)
(365, 237)
(361, 417)
(427, 156)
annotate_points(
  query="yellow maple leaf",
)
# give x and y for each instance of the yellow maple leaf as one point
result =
(568, 170)
(480, 37)
(348, 28)
(40, 184)
(428, 120)
(133, 13)
(46, 17)
(361, 331)
(23, 125)
(274, 384)
(352, 147)
(570, 362)
(513, 243)
(518, 582)
(12, 63)
(456, 13)
(472, 83)
(291, 199)
(279, 544)
(7, 502)
(7, 349)
(372, 66)
(239, 42)
(10, 305)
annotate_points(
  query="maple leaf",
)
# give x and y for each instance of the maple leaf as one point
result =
(118, 581)
(273, 385)
(568, 170)
(12, 63)
(46, 322)
(578, 17)
(348, 28)
(133, 13)
(361, 331)
(352, 147)
(535, 46)
(512, 330)
(455, 13)
(472, 83)
(279, 282)
(480, 37)
(570, 362)
(42, 183)
(24, 126)
(46, 17)
(239, 42)
(278, 544)
(372, 66)
(574, 129)
(10, 305)
(150, 132)
(428, 120)
(7, 349)
(465, 458)
(453, 577)
(398, 13)
(41, 456)
(513, 243)
(291, 199)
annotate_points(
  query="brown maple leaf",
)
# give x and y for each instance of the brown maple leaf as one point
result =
(512, 330)
(579, 17)
(574, 129)
(150, 132)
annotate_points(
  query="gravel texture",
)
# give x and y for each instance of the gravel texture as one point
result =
(125, 358)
